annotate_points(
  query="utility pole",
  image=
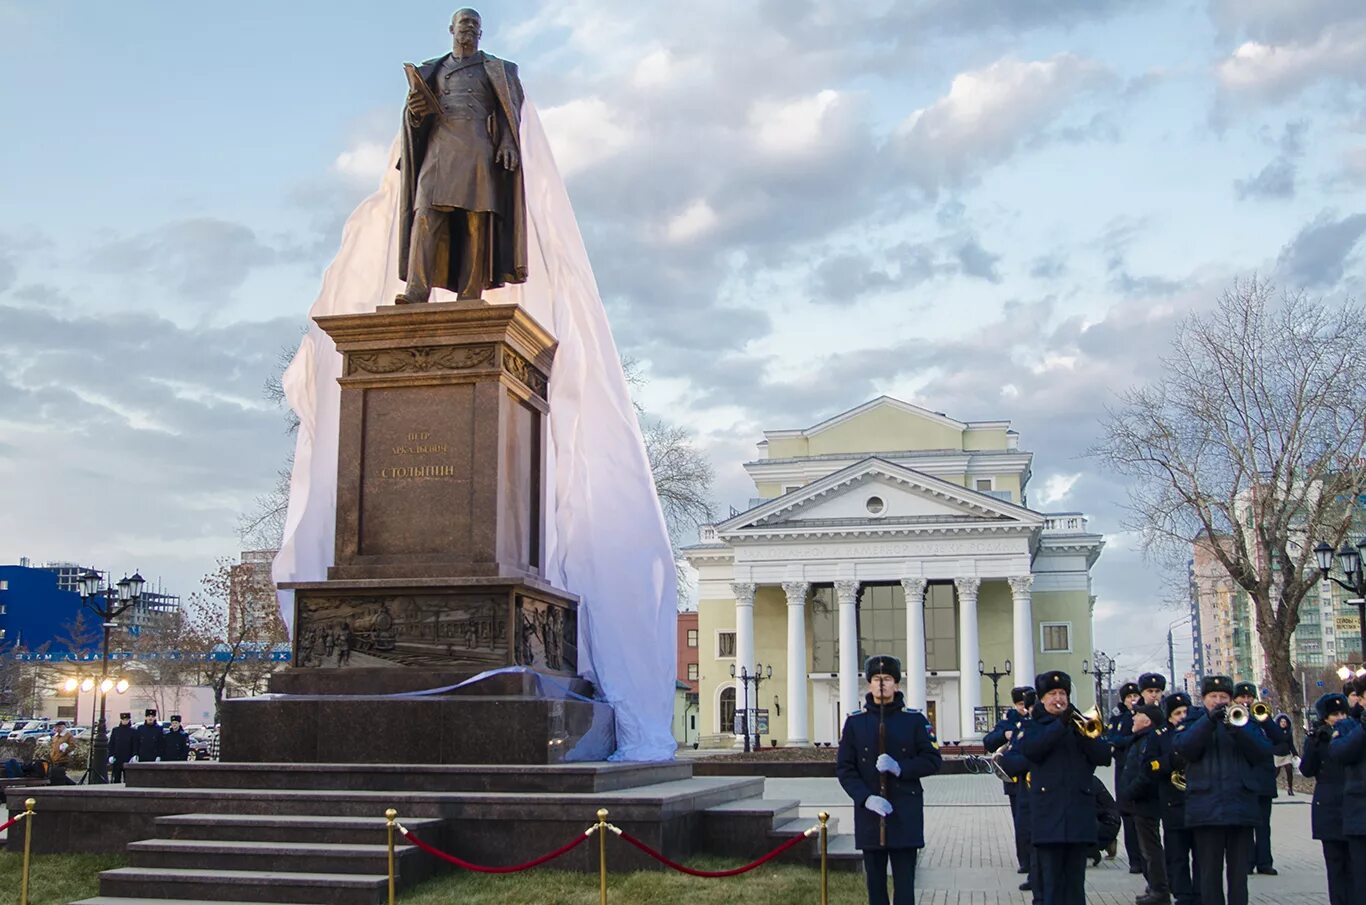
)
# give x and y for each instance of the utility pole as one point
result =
(1171, 659)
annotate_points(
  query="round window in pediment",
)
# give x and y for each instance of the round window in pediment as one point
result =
(875, 505)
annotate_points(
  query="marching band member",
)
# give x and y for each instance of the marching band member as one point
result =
(1140, 798)
(884, 751)
(1062, 806)
(1222, 764)
(1329, 780)
(1348, 749)
(1245, 695)
(1017, 766)
(1121, 734)
(1177, 844)
(1022, 699)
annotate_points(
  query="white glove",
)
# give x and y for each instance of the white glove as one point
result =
(111, 760)
(878, 805)
(63, 746)
(158, 760)
(134, 759)
(887, 764)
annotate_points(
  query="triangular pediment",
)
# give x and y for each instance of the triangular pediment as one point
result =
(876, 492)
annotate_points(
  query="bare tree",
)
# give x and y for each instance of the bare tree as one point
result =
(237, 624)
(1250, 442)
(263, 525)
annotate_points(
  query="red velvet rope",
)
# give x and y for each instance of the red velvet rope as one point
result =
(12, 821)
(460, 862)
(711, 873)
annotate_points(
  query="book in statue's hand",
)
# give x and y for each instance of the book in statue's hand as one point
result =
(421, 88)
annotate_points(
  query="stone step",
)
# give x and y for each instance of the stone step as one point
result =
(245, 886)
(322, 857)
(288, 828)
(562, 778)
(123, 900)
(742, 827)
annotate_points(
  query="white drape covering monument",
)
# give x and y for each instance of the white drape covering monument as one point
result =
(606, 539)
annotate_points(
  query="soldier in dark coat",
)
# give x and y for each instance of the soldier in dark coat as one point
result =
(1120, 736)
(122, 746)
(150, 737)
(1140, 799)
(1063, 822)
(1017, 766)
(1245, 695)
(1329, 787)
(884, 780)
(1348, 749)
(1178, 846)
(176, 742)
(1022, 698)
(1222, 761)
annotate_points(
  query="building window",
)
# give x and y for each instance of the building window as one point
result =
(727, 710)
(941, 626)
(725, 645)
(692, 637)
(692, 672)
(983, 484)
(875, 505)
(1057, 637)
(881, 620)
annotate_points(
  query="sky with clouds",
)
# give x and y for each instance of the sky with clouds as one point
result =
(992, 208)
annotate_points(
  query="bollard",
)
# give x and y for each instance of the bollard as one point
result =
(602, 856)
(390, 816)
(28, 847)
(825, 851)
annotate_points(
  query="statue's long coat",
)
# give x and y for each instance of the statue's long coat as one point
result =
(509, 226)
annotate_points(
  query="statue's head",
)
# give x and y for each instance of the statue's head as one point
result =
(466, 27)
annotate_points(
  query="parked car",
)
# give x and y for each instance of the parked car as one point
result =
(31, 729)
(203, 743)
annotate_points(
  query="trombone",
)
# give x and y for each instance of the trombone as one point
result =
(1089, 724)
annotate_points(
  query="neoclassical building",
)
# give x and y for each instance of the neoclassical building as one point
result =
(888, 528)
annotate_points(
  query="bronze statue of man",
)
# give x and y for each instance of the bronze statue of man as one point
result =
(463, 212)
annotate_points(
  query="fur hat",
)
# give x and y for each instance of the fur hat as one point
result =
(1211, 684)
(125, 716)
(150, 711)
(882, 665)
(1331, 703)
(1244, 688)
(1152, 680)
(1176, 699)
(1045, 682)
(1023, 694)
(1127, 689)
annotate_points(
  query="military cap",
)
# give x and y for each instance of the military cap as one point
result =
(150, 711)
(125, 716)
(1331, 703)
(1127, 689)
(1152, 680)
(1022, 694)
(1351, 687)
(1244, 688)
(1152, 712)
(1045, 682)
(1211, 684)
(175, 718)
(1176, 699)
(883, 665)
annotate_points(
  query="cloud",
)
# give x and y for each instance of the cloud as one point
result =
(1270, 72)
(201, 259)
(363, 164)
(585, 132)
(842, 278)
(8, 273)
(1276, 180)
(988, 113)
(1055, 490)
(1318, 255)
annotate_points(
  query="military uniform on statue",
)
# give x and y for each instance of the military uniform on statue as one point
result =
(1223, 755)
(1330, 780)
(1022, 699)
(885, 749)
(1121, 733)
(1063, 819)
(1178, 846)
(1348, 749)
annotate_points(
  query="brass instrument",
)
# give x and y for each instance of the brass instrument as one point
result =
(995, 764)
(1089, 723)
(1260, 712)
(1236, 715)
(1178, 779)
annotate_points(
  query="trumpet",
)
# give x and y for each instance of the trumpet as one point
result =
(1260, 711)
(1236, 715)
(1089, 723)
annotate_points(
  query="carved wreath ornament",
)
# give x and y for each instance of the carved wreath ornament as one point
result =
(420, 360)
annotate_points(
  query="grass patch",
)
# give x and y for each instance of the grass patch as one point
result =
(789, 884)
(55, 879)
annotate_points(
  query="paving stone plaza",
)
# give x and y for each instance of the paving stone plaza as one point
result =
(969, 855)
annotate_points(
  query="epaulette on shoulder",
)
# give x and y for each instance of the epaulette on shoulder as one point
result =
(856, 712)
(909, 710)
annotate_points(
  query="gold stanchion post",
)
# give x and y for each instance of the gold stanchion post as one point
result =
(825, 851)
(28, 848)
(602, 856)
(390, 816)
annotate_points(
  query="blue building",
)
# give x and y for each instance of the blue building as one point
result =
(33, 609)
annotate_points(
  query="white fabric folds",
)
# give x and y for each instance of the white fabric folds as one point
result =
(606, 539)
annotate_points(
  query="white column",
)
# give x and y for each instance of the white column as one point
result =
(969, 682)
(797, 735)
(1023, 628)
(846, 592)
(744, 644)
(914, 671)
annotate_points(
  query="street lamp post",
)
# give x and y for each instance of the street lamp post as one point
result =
(995, 675)
(127, 592)
(1349, 558)
(1103, 666)
(746, 678)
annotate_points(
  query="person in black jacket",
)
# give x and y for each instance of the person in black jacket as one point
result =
(1348, 749)
(1063, 821)
(1139, 798)
(122, 746)
(1022, 698)
(1120, 735)
(1222, 764)
(1325, 819)
(150, 737)
(883, 778)
(176, 742)
(1245, 695)
(1177, 843)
